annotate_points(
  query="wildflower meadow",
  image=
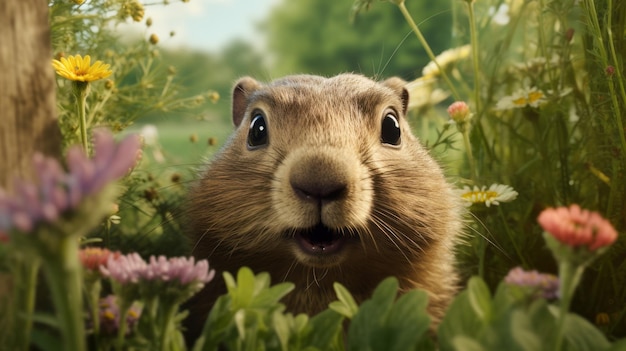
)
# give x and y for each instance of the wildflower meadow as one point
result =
(525, 111)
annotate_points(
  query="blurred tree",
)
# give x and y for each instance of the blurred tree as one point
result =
(317, 37)
(26, 88)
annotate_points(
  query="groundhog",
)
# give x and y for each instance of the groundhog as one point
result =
(322, 182)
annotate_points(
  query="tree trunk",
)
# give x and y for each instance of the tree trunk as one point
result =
(28, 121)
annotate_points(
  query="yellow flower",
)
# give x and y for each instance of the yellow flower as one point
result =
(79, 69)
(494, 195)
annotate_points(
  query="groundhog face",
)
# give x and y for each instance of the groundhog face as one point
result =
(322, 190)
(324, 171)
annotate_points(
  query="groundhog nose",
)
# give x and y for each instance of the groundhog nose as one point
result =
(319, 192)
(320, 177)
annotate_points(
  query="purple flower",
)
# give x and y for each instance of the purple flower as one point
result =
(57, 191)
(542, 284)
(109, 314)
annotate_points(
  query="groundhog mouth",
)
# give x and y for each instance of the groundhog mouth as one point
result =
(320, 240)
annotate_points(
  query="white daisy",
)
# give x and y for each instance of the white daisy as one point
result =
(422, 95)
(446, 59)
(493, 195)
(532, 97)
(501, 15)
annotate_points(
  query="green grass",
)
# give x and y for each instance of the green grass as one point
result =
(176, 145)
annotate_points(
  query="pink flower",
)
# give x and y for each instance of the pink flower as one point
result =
(181, 269)
(545, 285)
(124, 269)
(576, 227)
(132, 268)
(459, 111)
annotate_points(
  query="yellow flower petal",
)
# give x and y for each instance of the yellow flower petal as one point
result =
(77, 68)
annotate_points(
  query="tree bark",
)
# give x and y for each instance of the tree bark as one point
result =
(28, 121)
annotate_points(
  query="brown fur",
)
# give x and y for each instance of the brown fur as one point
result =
(396, 210)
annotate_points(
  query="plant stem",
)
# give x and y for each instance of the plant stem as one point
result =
(482, 248)
(420, 37)
(167, 313)
(124, 307)
(81, 90)
(616, 64)
(470, 155)
(511, 238)
(474, 43)
(569, 275)
(24, 300)
(94, 286)
(63, 273)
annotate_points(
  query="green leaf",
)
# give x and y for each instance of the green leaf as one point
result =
(619, 346)
(231, 285)
(261, 281)
(521, 333)
(282, 329)
(246, 282)
(346, 305)
(325, 328)
(300, 322)
(240, 322)
(219, 320)
(507, 296)
(582, 335)
(365, 329)
(464, 343)
(480, 298)
(45, 340)
(408, 321)
(268, 297)
(460, 319)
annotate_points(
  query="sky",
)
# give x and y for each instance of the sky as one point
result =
(205, 24)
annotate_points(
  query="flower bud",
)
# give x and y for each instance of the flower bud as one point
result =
(610, 71)
(459, 112)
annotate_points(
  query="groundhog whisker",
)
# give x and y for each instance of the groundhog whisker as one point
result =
(492, 242)
(294, 262)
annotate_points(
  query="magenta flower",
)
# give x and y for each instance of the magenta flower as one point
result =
(545, 285)
(57, 191)
(576, 227)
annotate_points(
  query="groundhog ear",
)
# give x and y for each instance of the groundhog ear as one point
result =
(398, 85)
(244, 87)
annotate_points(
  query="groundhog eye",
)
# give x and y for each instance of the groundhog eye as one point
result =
(257, 134)
(390, 132)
